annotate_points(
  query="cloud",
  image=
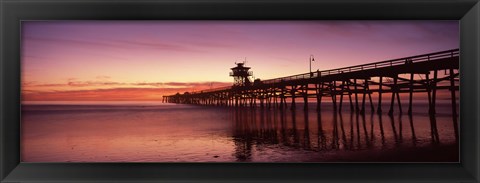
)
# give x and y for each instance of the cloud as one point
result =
(212, 44)
(73, 42)
(29, 83)
(103, 77)
(112, 94)
(392, 31)
(122, 44)
(72, 90)
(73, 83)
(50, 85)
(159, 46)
(157, 84)
(198, 85)
(94, 83)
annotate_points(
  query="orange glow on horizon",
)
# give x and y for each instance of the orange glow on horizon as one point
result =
(142, 61)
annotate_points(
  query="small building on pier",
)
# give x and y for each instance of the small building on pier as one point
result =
(241, 75)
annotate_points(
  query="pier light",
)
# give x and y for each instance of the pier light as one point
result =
(310, 61)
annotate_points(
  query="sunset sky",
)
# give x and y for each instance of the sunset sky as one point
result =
(144, 60)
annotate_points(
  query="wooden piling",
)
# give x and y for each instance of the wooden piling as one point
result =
(394, 90)
(379, 107)
(399, 103)
(262, 99)
(293, 97)
(334, 96)
(434, 91)
(411, 95)
(372, 107)
(429, 96)
(341, 96)
(305, 97)
(275, 99)
(319, 95)
(282, 96)
(364, 96)
(350, 96)
(454, 103)
(236, 100)
(356, 94)
(269, 99)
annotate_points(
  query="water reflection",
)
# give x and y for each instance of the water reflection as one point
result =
(414, 138)
(330, 130)
(185, 133)
(321, 138)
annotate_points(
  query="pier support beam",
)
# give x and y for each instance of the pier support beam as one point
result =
(282, 96)
(429, 94)
(356, 94)
(305, 97)
(411, 94)
(434, 91)
(454, 103)
(262, 99)
(350, 95)
(275, 103)
(399, 103)
(334, 95)
(372, 107)
(341, 96)
(236, 100)
(269, 99)
(319, 95)
(364, 96)
(379, 107)
(394, 90)
(293, 91)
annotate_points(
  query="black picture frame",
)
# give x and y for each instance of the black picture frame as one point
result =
(12, 12)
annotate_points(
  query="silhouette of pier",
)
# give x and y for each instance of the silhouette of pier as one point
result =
(355, 84)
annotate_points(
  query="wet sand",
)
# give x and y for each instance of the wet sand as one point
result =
(431, 153)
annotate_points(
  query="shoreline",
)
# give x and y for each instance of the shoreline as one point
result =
(449, 153)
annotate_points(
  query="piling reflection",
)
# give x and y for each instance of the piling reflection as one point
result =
(329, 130)
(321, 138)
(414, 137)
(242, 136)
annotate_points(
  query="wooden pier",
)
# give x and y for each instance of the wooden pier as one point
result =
(355, 84)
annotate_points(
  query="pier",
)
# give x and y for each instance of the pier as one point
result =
(355, 84)
(351, 86)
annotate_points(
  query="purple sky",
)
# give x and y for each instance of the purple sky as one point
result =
(123, 54)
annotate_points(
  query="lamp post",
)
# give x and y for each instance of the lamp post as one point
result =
(310, 61)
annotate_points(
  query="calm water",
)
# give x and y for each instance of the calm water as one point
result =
(186, 133)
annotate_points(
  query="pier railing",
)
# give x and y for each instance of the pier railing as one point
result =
(356, 68)
(214, 89)
(375, 65)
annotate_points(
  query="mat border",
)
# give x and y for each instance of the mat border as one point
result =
(13, 12)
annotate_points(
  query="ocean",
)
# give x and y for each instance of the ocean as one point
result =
(158, 132)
